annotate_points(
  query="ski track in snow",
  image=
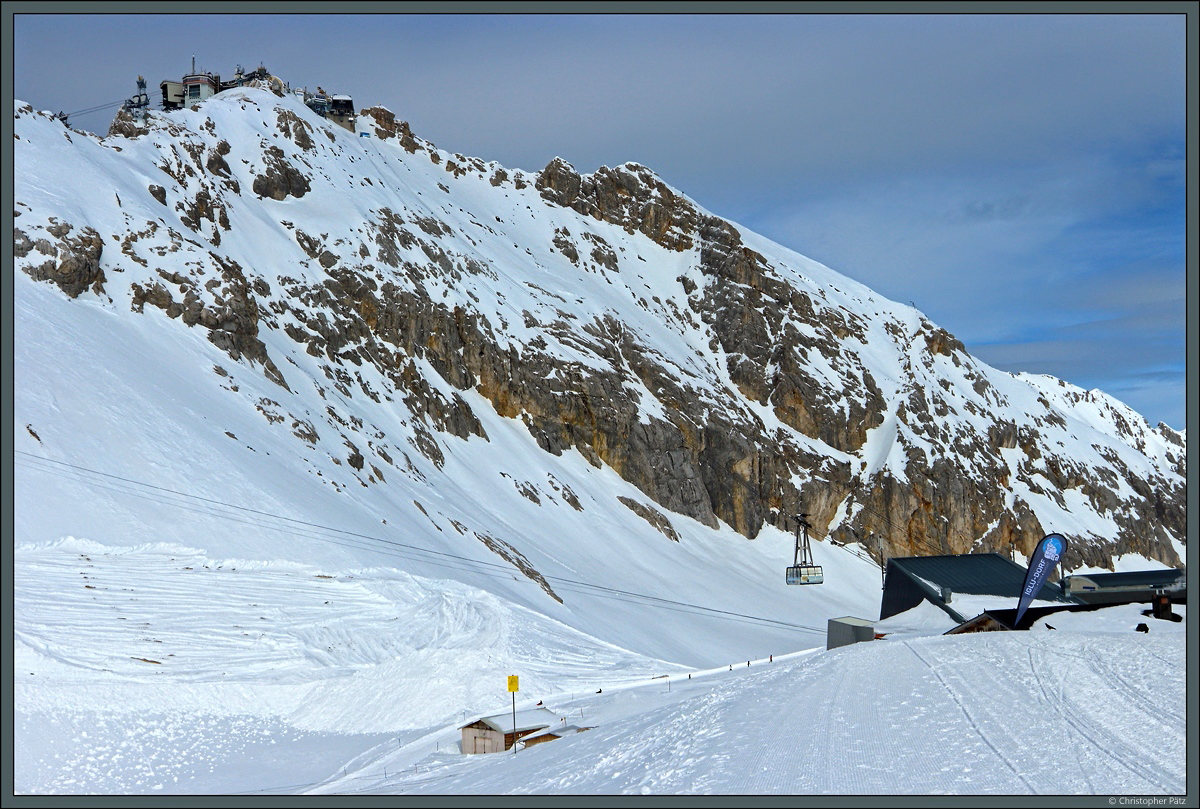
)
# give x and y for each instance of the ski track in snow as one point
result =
(949, 715)
(121, 651)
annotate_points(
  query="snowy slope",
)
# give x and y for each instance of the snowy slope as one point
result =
(353, 256)
(345, 685)
(265, 500)
(971, 716)
(204, 675)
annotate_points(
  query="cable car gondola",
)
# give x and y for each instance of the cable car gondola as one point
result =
(803, 569)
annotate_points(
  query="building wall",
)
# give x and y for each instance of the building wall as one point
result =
(172, 93)
(901, 593)
(198, 87)
(482, 740)
(843, 632)
(549, 737)
(344, 121)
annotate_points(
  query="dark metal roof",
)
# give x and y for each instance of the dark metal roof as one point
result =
(912, 579)
(974, 573)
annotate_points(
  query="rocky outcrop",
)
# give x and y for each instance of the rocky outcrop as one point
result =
(652, 516)
(294, 129)
(630, 196)
(386, 126)
(280, 179)
(71, 262)
(518, 560)
(128, 124)
(231, 318)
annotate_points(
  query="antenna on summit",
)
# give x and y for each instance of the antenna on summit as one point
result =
(140, 102)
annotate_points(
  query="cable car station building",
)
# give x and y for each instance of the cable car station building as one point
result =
(939, 579)
(936, 579)
(199, 86)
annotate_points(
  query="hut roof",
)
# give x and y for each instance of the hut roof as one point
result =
(533, 719)
(557, 730)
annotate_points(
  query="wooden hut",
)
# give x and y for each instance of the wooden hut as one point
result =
(496, 733)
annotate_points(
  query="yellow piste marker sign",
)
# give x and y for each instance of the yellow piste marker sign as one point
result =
(513, 687)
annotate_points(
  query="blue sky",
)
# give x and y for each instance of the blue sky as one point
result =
(1020, 179)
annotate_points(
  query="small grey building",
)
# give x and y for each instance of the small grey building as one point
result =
(1127, 588)
(844, 631)
(496, 733)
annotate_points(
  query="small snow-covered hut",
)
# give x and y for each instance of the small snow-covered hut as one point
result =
(495, 734)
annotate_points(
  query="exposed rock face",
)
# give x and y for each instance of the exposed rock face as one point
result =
(280, 179)
(770, 400)
(127, 124)
(71, 262)
(630, 196)
(652, 516)
(756, 317)
(730, 461)
(293, 128)
(386, 126)
(232, 318)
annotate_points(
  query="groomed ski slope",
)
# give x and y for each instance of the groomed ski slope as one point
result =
(160, 670)
(1039, 712)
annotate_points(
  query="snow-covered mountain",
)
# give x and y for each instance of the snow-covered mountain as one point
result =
(727, 378)
(485, 421)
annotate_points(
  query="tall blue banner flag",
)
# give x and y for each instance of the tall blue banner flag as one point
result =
(1045, 557)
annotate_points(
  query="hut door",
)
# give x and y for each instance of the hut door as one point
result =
(481, 744)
